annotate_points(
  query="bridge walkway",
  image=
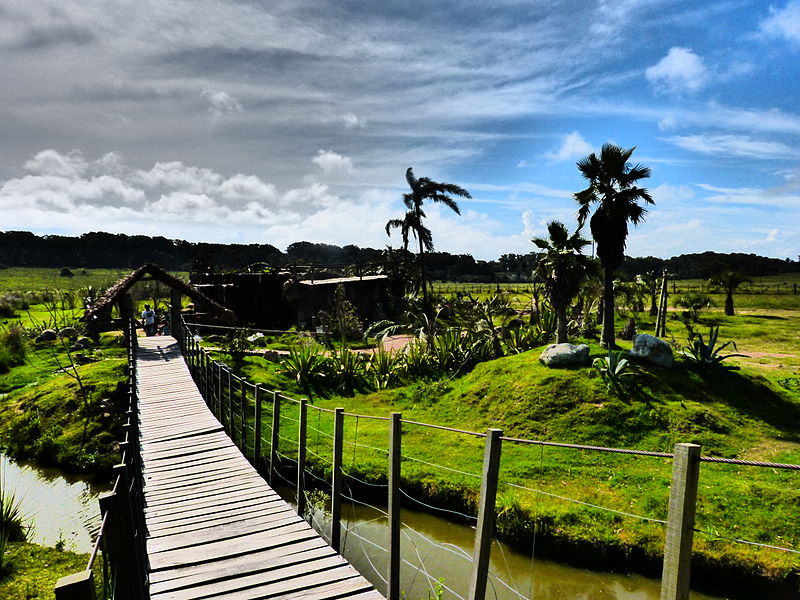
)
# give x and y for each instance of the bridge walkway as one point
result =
(215, 528)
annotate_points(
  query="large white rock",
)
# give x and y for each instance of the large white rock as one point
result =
(652, 349)
(565, 355)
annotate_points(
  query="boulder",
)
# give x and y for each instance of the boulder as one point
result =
(651, 349)
(68, 332)
(565, 355)
(84, 341)
(47, 335)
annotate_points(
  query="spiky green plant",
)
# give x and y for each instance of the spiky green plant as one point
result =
(709, 355)
(12, 522)
(309, 367)
(615, 371)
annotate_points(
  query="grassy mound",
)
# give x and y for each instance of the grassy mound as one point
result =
(57, 420)
(561, 494)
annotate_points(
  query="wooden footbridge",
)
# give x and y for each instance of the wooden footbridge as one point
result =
(214, 528)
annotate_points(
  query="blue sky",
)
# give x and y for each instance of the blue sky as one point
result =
(246, 121)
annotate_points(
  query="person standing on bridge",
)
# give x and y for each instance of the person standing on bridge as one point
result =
(149, 320)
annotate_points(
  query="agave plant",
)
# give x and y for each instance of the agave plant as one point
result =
(11, 522)
(384, 368)
(348, 372)
(615, 371)
(309, 367)
(709, 354)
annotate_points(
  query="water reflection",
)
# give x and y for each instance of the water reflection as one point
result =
(59, 506)
(443, 549)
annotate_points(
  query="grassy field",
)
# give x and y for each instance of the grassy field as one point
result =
(751, 413)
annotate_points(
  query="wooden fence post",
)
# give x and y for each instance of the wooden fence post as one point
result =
(79, 586)
(230, 402)
(301, 456)
(336, 483)
(395, 442)
(680, 522)
(483, 534)
(257, 427)
(220, 413)
(274, 439)
(243, 415)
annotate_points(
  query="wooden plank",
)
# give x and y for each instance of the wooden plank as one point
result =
(200, 504)
(209, 521)
(160, 517)
(219, 533)
(260, 559)
(242, 568)
(229, 548)
(289, 578)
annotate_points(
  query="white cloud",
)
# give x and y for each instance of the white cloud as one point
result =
(772, 236)
(221, 103)
(351, 120)
(573, 146)
(331, 162)
(680, 71)
(784, 22)
(732, 145)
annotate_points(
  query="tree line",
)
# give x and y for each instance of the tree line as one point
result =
(112, 251)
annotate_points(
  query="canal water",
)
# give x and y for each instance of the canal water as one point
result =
(434, 550)
(58, 506)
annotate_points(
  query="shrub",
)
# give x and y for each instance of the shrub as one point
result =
(694, 302)
(12, 348)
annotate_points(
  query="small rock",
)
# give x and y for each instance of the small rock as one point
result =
(48, 335)
(68, 332)
(76, 347)
(565, 355)
(272, 355)
(84, 341)
(629, 331)
(654, 350)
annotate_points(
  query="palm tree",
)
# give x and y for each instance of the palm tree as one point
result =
(612, 186)
(424, 189)
(563, 269)
(728, 281)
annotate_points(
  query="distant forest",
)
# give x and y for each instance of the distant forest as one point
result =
(109, 250)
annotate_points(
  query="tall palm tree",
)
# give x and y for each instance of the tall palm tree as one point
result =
(612, 186)
(563, 269)
(728, 281)
(424, 189)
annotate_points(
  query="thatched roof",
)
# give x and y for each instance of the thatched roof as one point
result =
(106, 302)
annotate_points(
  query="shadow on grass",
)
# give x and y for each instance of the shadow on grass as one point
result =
(754, 398)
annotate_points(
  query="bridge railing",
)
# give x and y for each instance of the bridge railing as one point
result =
(117, 566)
(252, 415)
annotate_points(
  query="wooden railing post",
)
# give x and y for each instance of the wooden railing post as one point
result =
(257, 427)
(393, 577)
(483, 535)
(243, 419)
(274, 437)
(230, 401)
(336, 484)
(79, 586)
(680, 522)
(220, 413)
(301, 456)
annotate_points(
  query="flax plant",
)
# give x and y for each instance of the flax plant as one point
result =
(11, 522)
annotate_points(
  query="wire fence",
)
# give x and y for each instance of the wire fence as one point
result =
(321, 457)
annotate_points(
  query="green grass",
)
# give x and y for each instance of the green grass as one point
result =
(43, 414)
(20, 279)
(36, 569)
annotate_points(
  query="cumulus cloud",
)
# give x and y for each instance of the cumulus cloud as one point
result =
(680, 71)
(221, 103)
(332, 162)
(783, 22)
(573, 146)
